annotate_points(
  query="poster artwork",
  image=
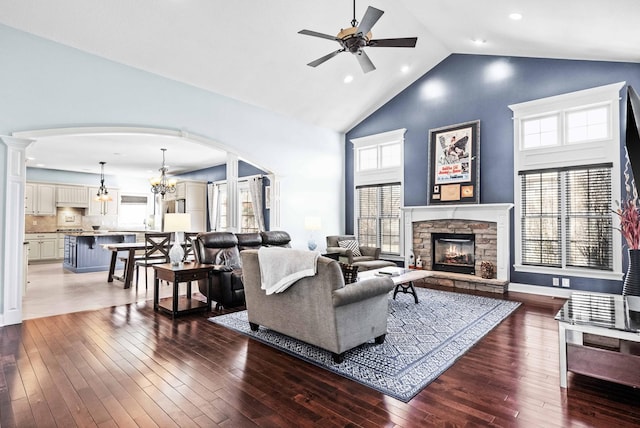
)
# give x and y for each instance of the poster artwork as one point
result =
(453, 156)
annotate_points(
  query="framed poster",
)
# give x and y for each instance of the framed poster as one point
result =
(454, 171)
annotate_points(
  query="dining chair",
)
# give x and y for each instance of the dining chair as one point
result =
(187, 245)
(156, 250)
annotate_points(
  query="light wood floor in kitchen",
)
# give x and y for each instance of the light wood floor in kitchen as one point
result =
(51, 290)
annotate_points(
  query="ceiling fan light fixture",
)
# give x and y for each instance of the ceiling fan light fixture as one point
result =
(357, 37)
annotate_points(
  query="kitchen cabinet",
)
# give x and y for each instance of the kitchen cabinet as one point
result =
(60, 245)
(42, 246)
(40, 199)
(95, 207)
(85, 253)
(71, 196)
(195, 201)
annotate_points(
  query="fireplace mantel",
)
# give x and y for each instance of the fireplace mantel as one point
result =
(498, 213)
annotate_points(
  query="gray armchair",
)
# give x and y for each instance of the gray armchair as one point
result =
(321, 309)
(346, 255)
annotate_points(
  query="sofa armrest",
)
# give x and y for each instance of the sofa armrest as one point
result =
(362, 290)
(345, 255)
(370, 251)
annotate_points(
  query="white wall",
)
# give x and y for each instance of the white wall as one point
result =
(46, 85)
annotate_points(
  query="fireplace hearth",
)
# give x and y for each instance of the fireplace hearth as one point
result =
(453, 252)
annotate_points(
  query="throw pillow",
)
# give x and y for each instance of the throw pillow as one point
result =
(350, 273)
(351, 245)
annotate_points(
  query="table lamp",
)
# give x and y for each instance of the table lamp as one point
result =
(311, 224)
(177, 223)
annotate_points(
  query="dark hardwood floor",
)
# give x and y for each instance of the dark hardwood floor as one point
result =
(128, 366)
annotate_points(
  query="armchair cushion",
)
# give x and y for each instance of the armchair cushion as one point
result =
(352, 245)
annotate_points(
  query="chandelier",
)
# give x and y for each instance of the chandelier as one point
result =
(162, 184)
(103, 195)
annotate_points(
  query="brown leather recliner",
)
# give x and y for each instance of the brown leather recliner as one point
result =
(249, 241)
(221, 249)
(276, 238)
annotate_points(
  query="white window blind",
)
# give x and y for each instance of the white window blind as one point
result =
(589, 228)
(378, 217)
(541, 239)
(583, 194)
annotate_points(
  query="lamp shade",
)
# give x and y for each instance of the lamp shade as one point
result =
(177, 222)
(312, 223)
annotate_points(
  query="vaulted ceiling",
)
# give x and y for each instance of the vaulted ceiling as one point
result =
(250, 50)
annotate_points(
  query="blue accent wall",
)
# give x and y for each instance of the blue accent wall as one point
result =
(463, 88)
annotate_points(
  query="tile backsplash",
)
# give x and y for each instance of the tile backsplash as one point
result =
(39, 223)
(64, 218)
(69, 217)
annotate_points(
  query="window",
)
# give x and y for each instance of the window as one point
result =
(378, 218)
(247, 217)
(586, 223)
(588, 124)
(247, 221)
(540, 132)
(567, 153)
(378, 190)
(134, 212)
(378, 157)
(222, 210)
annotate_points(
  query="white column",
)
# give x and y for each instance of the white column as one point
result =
(232, 193)
(12, 232)
(274, 211)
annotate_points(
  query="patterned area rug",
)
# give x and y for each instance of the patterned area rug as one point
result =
(422, 340)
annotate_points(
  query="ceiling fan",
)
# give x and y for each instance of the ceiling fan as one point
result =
(357, 37)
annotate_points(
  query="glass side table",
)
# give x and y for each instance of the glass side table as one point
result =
(599, 336)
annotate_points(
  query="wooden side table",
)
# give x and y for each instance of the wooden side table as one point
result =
(186, 272)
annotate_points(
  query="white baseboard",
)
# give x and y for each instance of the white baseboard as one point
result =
(543, 291)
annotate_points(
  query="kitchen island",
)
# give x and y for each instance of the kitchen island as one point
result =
(84, 252)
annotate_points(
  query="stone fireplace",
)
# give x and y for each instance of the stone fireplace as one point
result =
(453, 252)
(489, 223)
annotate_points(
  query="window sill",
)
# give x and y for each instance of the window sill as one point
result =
(583, 273)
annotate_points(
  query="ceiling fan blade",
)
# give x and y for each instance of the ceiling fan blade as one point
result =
(365, 61)
(369, 19)
(316, 34)
(324, 58)
(407, 42)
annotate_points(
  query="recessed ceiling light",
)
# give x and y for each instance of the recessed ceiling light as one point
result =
(405, 68)
(515, 16)
(348, 79)
(40, 165)
(29, 158)
(479, 41)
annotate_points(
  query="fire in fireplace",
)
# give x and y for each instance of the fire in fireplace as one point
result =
(453, 252)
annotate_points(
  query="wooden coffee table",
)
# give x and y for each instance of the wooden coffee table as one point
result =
(403, 280)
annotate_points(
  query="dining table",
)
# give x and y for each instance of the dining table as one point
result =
(130, 248)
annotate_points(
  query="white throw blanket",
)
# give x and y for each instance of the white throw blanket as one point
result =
(281, 267)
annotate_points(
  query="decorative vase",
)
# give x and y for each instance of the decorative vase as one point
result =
(632, 278)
